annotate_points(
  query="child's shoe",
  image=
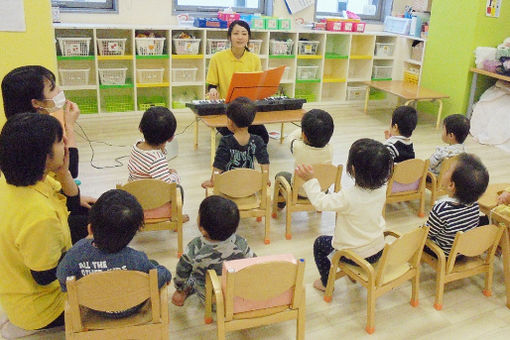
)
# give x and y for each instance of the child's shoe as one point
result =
(11, 331)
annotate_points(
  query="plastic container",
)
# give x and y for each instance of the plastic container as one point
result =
(87, 104)
(271, 23)
(118, 103)
(74, 46)
(397, 25)
(255, 46)
(284, 24)
(382, 72)
(310, 47)
(359, 27)
(74, 76)
(149, 75)
(280, 47)
(304, 94)
(149, 46)
(411, 77)
(186, 46)
(144, 103)
(112, 76)
(184, 74)
(209, 22)
(111, 46)
(356, 92)
(216, 45)
(384, 49)
(307, 72)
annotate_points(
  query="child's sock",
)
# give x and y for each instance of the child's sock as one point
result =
(11, 331)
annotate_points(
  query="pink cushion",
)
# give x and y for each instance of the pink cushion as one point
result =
(400, 187)
(244, 305)
(160, 212)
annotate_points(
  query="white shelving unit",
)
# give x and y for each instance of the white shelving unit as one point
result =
(343, 61)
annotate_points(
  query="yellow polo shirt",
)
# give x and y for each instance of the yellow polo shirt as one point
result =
(33, 235)
(224, 64)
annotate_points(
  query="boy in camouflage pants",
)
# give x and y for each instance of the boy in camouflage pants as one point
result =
(218, 219)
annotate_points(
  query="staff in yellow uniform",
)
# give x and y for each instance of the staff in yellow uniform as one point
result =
(225, 63)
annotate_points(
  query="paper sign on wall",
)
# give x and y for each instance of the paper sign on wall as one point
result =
(295, 6)
(492, 8)
(12, 16)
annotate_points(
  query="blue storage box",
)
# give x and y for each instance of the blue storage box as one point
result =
(209, 22)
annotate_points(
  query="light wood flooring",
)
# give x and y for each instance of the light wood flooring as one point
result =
(467, 313)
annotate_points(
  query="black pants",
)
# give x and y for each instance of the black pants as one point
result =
(322, 248)
(259, 130)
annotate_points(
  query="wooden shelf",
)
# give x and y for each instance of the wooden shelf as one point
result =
(334, 80)
(361, 57)
(187, 56)
(114, 57)
(165, 84)
(304, 56)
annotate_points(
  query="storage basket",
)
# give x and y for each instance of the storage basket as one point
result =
(308, 47)
(74, 46)
(149, 75)
(118, 103)
(397, 25)
(74, 76)
(216, 45)
(411, 77)
(356, 92)
(111, 46)
(281, 47)
(307, 72)
(381, 72)
(144, 103)
(186, 46)
(305, 94)
(184, 74)
(255, 46)
(112, 76)
(87, 104)
(149, 46)
(384, 49)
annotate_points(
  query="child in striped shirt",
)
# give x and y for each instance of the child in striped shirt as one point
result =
(465, 181)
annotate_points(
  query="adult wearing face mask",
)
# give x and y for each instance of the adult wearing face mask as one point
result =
(33, 88)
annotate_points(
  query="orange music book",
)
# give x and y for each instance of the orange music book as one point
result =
(255, 85)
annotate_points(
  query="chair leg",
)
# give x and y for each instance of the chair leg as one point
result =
(221, 331)
(288, 217)
(208, 300)
(440, 282)
(415, 289)
(488, 281)
(330, 287)
(301, 319)
(267, 226)
(421, 212)
(370, 328)
(276, 193)
(179, 238)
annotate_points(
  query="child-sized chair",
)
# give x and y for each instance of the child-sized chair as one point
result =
(472, 244)
(248, 188)
(255, 293)
(400, 262)
(434, 182)
(408, 183)
(158, 198)
(327, 174)
(116, 290)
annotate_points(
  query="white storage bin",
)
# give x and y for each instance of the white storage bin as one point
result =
(356, 92)
(216, 45)
(74, 46)
(307, 72)
(184, 74)
(397, 25)
(149, 75)
(308, 47)
(255, 46)
(112, 76)
(111, 46)
(384, 49)
(281, 47)
(186, 46)
(74, 76)
(381, 72)
(149, 46)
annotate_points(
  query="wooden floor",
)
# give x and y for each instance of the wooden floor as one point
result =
(466, 314)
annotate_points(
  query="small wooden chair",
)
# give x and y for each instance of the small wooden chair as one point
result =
(504, 244)
(113, 291)
(400, 262)
(257, 283)
(435, 183)
(409, 176)
(153, 194)
(327, 174)
(248, 188)
(472, 244)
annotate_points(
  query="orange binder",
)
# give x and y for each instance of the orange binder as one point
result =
(254, 85)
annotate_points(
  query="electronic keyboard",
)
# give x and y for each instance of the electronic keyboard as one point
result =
(218, 107)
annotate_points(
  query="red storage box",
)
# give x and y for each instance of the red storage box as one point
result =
(359, 27)
(335, 26)
(348, 26)
(228, 17)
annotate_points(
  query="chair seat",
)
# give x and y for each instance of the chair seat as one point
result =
(390, 275)
(467, 263)
(93, 320)
(246, 203)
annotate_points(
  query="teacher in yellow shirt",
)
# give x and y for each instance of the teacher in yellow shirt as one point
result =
(225, 63)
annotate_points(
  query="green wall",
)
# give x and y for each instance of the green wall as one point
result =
(457, 27)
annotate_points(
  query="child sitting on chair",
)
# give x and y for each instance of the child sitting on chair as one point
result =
(217, 221)
(114, 220)
(465, 181)
(359, 224)
(310, 145)
(398, 137)
(455, 131)
(239, 149)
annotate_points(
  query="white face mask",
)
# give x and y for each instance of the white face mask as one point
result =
(58, 101)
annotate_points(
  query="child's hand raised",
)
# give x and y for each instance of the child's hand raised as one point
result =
(504, 198)
(305, 172)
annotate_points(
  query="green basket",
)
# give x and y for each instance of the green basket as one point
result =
(118, 103)
(178, 105)
(377, 95)
(87, 104)
(304, 94)
(144, 103)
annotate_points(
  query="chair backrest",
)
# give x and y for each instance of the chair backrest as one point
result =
(445, 166)
(264, 281)
(114, 290)
(241, 183)
(327, 174)
(405, 250)
(408, 176)
(475, 242)
(151, 193)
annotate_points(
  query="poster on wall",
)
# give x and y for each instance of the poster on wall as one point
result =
(12, 16)
(492, 8)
